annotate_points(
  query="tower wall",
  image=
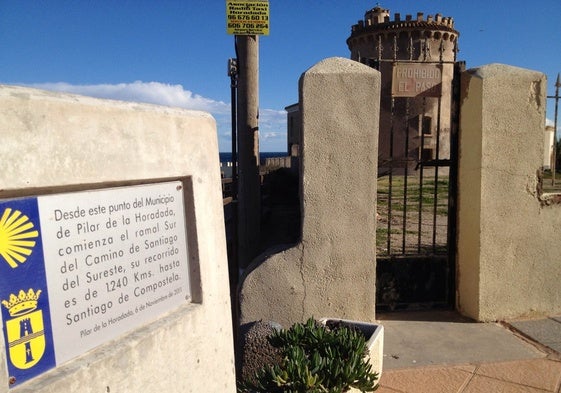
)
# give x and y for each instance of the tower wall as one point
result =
(379, 41)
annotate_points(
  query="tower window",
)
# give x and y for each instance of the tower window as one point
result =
(427, 125)
(426, 154)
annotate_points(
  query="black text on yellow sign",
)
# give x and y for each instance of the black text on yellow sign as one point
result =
(247, 17)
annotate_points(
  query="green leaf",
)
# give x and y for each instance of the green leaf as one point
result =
(316, 359)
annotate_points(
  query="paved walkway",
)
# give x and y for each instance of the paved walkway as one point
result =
(441, 352)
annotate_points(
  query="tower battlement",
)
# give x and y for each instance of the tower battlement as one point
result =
(425, 38)
(379, 18)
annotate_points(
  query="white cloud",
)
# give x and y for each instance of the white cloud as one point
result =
(550, 122)
(149, 92)
(272, 130)
(272, 123)
(272, 117)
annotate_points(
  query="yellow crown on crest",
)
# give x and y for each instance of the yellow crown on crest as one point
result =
(23, 303)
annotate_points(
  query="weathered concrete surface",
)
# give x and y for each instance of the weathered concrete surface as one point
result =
(332, 271)
(508, 262)
(546, 331)
(443, 352)
(416, 339)
(61, 142)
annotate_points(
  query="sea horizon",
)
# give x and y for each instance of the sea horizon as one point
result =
(227, 156)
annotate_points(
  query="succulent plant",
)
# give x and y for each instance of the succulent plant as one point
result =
(316, 359)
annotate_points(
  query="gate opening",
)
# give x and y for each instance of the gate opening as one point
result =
(417, 175)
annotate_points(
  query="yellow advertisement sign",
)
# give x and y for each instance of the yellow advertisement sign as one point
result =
(247, 17)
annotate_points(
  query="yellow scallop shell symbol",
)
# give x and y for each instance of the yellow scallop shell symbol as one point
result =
(16, 232)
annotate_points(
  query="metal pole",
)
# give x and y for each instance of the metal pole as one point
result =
(233, 266)
(554, 153)
(233, 74)
(249, 194)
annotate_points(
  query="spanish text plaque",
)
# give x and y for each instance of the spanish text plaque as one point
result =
(80, 269)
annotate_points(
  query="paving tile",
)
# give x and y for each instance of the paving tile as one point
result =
(556, 346)
(470, 368)
(384, 389)
(541, 330)
(480, 384)
(538, 373)
(426, 380)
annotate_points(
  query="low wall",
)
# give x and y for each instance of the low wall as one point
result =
(109, 155)
(508, 235)
(332, 271)
(278, 162)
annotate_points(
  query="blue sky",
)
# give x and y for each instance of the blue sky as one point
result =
(174, 52)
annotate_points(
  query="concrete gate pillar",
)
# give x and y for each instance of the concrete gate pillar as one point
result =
(332, 271)
(508, 230)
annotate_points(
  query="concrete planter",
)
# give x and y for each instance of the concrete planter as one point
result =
(374, 335)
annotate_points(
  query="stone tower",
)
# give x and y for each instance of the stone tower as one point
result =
(416, 58)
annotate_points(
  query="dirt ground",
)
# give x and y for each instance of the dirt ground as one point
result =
(417, 224)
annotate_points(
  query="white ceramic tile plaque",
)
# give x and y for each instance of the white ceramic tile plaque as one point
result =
(114, 259)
